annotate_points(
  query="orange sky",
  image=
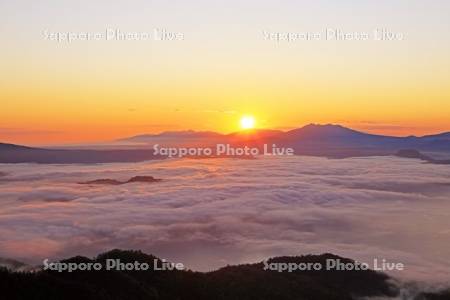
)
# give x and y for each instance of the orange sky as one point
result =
(58, 92)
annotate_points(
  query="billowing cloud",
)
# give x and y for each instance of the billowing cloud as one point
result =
(212, 212)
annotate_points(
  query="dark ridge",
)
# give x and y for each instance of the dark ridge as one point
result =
(443, 295)
(412, 153)
(246, 282)
(143, 179)
(102, 181)
(20, 154)
(146, 179)
(240, 282)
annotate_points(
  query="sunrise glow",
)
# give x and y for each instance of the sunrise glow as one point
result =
(247, 122)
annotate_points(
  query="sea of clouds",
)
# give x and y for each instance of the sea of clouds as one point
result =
(208, 213)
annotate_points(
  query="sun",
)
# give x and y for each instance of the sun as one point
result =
(247, 122)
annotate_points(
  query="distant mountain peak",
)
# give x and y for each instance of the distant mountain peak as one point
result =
(328, 126)
(443, 135)
(6, 146)
(321, 130)
(322, 125)
(173, 134)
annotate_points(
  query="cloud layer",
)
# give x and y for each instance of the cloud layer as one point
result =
(212, 212)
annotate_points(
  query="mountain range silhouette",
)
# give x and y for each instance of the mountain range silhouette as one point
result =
(328, 140)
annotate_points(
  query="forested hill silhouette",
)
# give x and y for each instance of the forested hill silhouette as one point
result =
(248, 281)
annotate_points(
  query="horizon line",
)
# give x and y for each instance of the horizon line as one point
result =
(118, 139)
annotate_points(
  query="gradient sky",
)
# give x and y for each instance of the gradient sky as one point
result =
(84, 91)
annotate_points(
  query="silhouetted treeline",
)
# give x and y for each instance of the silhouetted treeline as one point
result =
(242, 282)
